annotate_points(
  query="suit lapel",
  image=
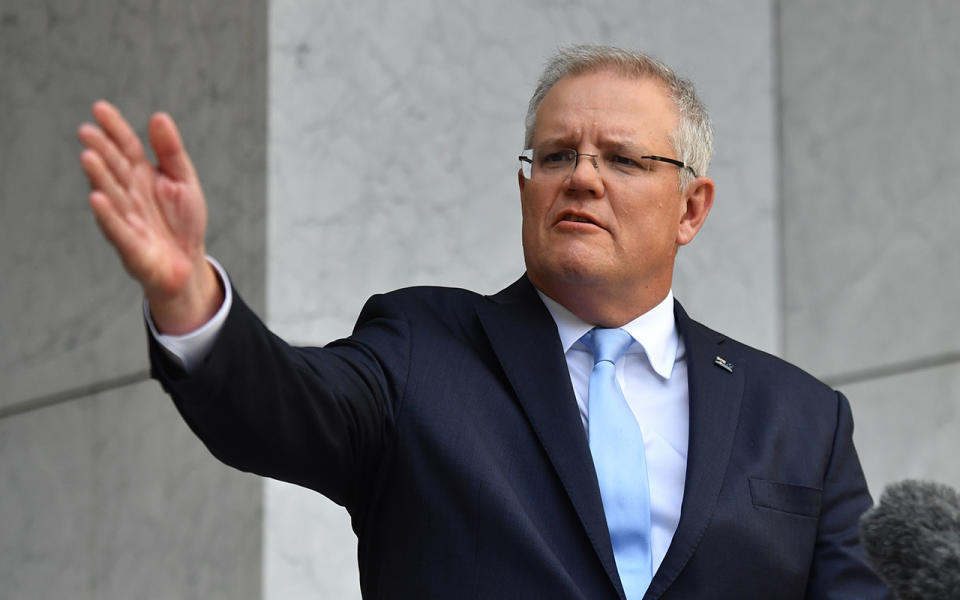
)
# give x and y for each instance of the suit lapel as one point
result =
(715, 396)
(525, 340)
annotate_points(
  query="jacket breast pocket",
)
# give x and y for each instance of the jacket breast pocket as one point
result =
(785, 497)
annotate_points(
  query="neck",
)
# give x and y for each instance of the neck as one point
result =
(600, 305)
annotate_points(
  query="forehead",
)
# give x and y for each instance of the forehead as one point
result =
(606, 106)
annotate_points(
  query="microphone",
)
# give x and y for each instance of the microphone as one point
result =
(912, 539)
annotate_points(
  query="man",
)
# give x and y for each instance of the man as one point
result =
(498, 447)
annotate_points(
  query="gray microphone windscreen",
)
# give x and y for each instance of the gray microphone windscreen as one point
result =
(912, 538)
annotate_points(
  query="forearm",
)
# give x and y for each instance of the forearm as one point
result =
(316, 417)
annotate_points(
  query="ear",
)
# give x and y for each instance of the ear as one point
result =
(698, 200)
(520, 179)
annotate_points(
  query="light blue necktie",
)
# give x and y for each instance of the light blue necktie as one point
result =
(616, 444)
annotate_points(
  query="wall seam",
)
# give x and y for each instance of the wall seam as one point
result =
(893, 369)
(99, 387)
(780, 277)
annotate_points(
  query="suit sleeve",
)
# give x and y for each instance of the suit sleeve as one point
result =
(840, 568)
(316, 417)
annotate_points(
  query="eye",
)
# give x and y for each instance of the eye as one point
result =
(557, 158)
(627, 164)
(624, 161)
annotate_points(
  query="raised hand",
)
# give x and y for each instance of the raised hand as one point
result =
(154, 216)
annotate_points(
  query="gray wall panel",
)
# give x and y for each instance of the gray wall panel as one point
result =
(72, 315)
(48, 503)
(869, 182)
(394, 132)
(906, 426)
(109, 495)
(112, 497)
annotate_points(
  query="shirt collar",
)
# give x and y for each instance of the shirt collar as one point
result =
(655, 331)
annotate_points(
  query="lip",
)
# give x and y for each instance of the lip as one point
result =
(574, 219)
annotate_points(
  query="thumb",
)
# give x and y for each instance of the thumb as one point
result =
(172, 157)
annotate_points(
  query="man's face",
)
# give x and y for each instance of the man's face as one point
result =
(598, 228)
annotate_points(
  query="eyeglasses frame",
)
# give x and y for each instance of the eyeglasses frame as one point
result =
(596, 165)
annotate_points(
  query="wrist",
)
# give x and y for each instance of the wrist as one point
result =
(195, 304)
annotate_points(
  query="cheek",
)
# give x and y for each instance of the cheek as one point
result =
(651, 211)
(645, 228)
(530, 221)
(534, 204)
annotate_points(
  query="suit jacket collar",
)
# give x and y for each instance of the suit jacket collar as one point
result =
(715, 398)
(525, 340)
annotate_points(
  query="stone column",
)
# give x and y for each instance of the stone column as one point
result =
(104, 492)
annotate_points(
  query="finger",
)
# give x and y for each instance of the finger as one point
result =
(114, 226)
(118, 130)
(176, 211)
(102, 180)
(172, 157)
(94, 139)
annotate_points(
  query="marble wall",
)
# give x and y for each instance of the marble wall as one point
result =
(202, 62)
(394, 131)
(871, 271)
(111, 496)
(105, 494)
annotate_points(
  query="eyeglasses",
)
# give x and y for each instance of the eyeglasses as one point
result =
(549, 163)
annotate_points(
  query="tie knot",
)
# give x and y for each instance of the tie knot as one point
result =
(607, 344)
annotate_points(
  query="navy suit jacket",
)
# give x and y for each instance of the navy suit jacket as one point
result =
(447, 426)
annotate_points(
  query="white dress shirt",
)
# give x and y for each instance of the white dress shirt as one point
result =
(653, 377)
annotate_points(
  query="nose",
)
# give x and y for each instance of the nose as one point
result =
(585, 178)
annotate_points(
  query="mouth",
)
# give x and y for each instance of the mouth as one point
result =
(576, 217)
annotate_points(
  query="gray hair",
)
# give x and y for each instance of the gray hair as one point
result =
(693, 139)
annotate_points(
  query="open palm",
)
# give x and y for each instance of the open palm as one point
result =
(154, 216)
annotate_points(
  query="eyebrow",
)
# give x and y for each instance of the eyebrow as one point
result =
(606, 143)
(621, 144)
(564, 141)
(628, 142)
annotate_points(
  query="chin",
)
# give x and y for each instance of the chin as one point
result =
(564, 272)
(565, 262)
